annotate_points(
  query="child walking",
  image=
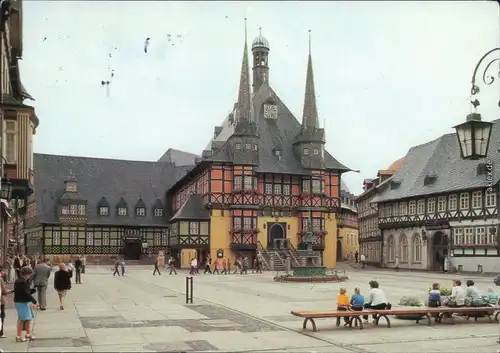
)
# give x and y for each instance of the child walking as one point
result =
(343, 305)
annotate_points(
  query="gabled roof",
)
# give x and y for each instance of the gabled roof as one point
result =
(99, 178)
(192, 208)
(440, 159)
(274, 134)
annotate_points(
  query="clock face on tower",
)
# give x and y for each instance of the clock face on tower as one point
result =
(270, 111)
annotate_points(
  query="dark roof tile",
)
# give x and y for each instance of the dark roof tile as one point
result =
(192, 208)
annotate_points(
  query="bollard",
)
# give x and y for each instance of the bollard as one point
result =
(189, 290)
(460, 268)
(480, 268)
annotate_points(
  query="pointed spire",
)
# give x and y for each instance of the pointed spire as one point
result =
(310, 113)
(244, 97)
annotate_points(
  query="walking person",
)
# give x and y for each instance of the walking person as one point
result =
(193, 266)
(216, 266)
(224, 267)
(156, 269)
(62, 283)
(171, 266)
(244, 266)
(84, 263)
(117, 265)
(396, 263)
(41, 276)
(208, 261)
(237, 266)
(356, 256)
(70, 268)
(23, 299)
(363, 261)
(446, 264)
(19, 263)
(122, 267)
(78, 270)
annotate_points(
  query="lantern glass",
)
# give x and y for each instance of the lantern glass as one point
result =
(6, 189)
(474, 137)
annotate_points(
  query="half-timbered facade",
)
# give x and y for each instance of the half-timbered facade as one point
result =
(264, 176)
(370, 239)
(104, 208)
(439, 206)
(17, 124)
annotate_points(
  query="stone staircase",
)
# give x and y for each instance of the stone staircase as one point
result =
(275, 259)
(271, 259)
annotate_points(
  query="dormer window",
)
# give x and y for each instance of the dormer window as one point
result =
(65, 210)
(122, 211)
(158, 212)
(103, 211)
(315, 152)
(140, 211)
(73, 209)
(306, 151)
(71, 186)
(237, 146)
(255, 147)
(81, 210)
(248, 147)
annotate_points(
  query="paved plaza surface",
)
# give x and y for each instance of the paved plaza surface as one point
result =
(145, 313)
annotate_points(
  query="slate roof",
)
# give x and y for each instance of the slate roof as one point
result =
(192, 208)
(177, 157)
(273, 134)
(441, 158)
(99, 178)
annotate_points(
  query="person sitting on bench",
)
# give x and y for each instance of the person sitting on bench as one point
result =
(457, 298)
(434, 300)
(376, 300)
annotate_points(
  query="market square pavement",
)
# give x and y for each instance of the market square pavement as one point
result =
(145, 313)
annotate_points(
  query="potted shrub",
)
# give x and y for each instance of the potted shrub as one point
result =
(445, 293)
(410, 301)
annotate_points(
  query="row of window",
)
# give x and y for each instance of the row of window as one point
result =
(241, 182)
(473, 236)
(123, 211)
(315, 152)
(159, 238)
(404, 249)
(248, 147)
(74, 209)
(352, 239)
(440, 203)
(368, 226)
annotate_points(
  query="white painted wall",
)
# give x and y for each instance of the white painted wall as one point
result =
(490, 264)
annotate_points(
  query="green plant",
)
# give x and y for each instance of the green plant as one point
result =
(445, 292)
(410, 301)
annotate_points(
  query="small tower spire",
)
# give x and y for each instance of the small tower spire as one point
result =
(310, 113)
(244, 95)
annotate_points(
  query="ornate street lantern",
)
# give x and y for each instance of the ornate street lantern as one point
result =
(6, 189)
(474, 137)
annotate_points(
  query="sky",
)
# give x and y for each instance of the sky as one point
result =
(388, 75)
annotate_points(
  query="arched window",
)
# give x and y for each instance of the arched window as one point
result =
(404, 248)
(417, 248)
(391, 254)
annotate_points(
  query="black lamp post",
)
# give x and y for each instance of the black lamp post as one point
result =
(474, 134)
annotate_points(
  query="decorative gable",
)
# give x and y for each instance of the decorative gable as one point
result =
(72, 205)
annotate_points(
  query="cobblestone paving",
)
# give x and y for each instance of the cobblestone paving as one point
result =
(142, 313)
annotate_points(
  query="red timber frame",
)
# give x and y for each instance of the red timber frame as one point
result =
(244, 227)
(318, 227)
(200, 184)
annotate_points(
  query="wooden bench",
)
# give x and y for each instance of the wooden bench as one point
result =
(355, 317)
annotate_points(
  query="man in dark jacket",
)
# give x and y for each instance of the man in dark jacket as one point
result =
(40, 278)
(78, 270)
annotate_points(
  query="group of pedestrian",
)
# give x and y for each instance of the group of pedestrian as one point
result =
(170, 266)
(32, 276)
(119, 267)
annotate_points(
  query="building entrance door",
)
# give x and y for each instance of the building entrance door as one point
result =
(339, 250)
(132, 250)
(439, 250)
(276, 231)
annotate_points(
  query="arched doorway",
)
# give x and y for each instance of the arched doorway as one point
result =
(439, 250)
(339, 250)
(276, 231)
